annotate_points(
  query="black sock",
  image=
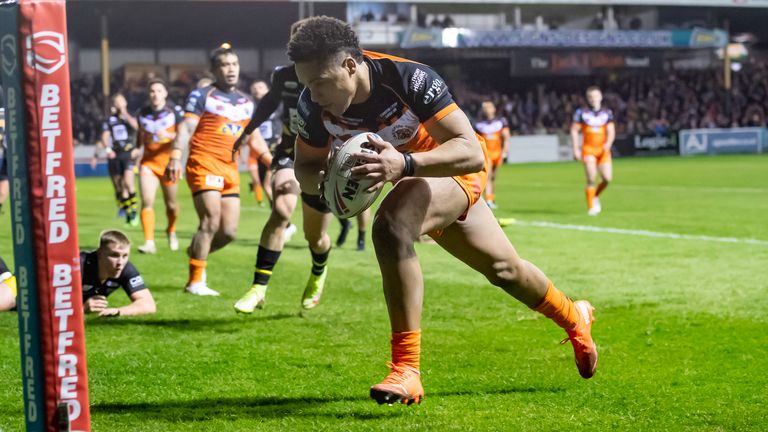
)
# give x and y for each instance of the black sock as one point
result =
(319, 261)
(126, 206)
(360, 237)
(134, 202)
(265, 262)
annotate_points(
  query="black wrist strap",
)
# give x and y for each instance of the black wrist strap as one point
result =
(410, 168)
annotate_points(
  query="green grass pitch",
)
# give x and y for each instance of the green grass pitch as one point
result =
(681, 323)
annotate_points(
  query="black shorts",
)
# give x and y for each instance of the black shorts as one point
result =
(120, 164)
(3, 168)
(282, 156)
(316, 202)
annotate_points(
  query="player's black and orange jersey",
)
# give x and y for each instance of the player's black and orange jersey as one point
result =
(493, 131)
(129, 280)
(222, 116)
(157, 129)
(121, 134)
(594, 125)
(405, 96)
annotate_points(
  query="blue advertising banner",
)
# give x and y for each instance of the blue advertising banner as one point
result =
(723, 141)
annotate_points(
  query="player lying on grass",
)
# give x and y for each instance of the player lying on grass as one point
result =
(438, 164)
(103, 271)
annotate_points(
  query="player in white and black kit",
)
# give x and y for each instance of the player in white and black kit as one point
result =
(105, 270)
(118, 140)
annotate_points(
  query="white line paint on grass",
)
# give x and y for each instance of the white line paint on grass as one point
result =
(643, 233)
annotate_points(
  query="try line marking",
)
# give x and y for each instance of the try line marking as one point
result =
(644, 233)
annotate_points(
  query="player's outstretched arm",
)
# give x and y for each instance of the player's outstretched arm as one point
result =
(142, 303)
(308, 164)
(459, 151)
(183, 134)
(268, 104)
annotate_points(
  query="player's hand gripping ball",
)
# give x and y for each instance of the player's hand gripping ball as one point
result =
(346, 196)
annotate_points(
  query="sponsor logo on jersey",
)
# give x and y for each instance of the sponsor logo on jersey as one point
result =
(435, 90)
(231, 129)
(418, 80)
(136, 281)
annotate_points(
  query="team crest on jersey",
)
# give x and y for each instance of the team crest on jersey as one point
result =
(231, 129)
(402, 132)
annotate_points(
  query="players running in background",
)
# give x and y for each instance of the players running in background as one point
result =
(157, 129)
(118, 143)
(286, 88)
(597, 125)
(214, 117)
(495, 131)
(439, 170)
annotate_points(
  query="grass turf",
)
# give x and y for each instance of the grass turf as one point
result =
(681, 323)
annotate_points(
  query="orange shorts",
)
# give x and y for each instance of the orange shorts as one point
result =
(204, 174)
(496, 159)
(154, 168)
(599, 154)
(473, 186)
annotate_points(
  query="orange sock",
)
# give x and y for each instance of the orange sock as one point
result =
(601, 187)
(172, 215)
(590, 196)
(490, 197)
(196, 268)
(406, 348)
(148, 223)
(259, 193)
(559, 308)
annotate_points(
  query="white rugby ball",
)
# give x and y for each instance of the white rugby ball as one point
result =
(346, 196)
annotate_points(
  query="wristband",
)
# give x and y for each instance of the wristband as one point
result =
(176, 154)
(410, 168)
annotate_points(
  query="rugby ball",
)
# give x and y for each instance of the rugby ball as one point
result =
(346, 196)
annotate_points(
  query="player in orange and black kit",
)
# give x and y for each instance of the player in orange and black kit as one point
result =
(597, 125)
(157, 130)
(427, 147)
(214, 117)
(495, 131)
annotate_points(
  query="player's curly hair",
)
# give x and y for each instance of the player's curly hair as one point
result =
(319, 39)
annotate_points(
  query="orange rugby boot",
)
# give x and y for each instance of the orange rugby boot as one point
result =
(403, 385)
(584, 348)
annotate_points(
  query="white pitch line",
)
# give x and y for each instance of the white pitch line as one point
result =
(644, 233)
(715, 189)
